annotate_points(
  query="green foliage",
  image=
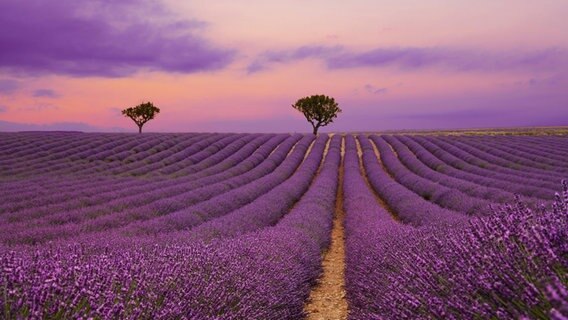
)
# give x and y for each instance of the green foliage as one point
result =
(141, 114)
(319, 110)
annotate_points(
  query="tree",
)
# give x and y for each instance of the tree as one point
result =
(141, 114)
(319, 110)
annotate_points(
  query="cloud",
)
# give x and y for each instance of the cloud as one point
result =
(39, 107)
(263, 61)
(374, 90)
(102, 38)
(557, 80)
(444, 58)
(115, 111)
(45, 93)
(8, 86)
(452, 59)
(3, 109)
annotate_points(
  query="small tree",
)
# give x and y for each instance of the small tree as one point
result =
(319, 110)
(141, 114)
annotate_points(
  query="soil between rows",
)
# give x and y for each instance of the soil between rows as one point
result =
(327, 299)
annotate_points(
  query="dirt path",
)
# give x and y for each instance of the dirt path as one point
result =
(327, 300)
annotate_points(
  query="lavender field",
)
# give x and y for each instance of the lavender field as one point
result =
(235, 226)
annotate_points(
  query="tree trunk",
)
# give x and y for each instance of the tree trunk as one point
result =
(139, 129)
(315, 131)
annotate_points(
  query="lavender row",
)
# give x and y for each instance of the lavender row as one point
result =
(557, 145)
(548, 150)
(109, 144)
(63, 193)
(80, 155)
(209, 156)
(510, 265)
(147, 205)
(513, 152)
(232, 155)
(22, 144)
(230, 190)
(512, 183)
(198, 144)
(491, 161)
(530, 157)
(26, 144)
(199, 154)
(187, 158)
(260, 275)
(423, 163)
(48, 146)
(509, 162)
(485, 160)
(39, 156)
(140, 151)
(407, 205)
(242, 199)
(38, 162)
(267, 209)
(84, 166)
(10, 141)
(368, 227)
(449, 198)
(43, 186)
(145, 195)
(19, 155)
(120, 150)
(49, 190)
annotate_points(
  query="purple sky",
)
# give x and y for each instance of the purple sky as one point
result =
(239, 65)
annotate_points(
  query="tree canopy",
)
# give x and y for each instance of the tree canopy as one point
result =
(141, 114)
(319, 110)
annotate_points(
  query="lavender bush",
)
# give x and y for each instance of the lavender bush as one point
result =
(265, 274)
(509, 265)
(233, 226)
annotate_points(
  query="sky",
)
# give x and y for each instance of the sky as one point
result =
(238, 66)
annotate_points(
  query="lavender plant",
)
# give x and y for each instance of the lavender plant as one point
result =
(233, 226)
